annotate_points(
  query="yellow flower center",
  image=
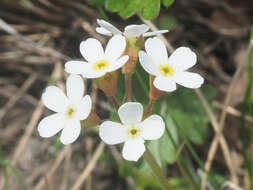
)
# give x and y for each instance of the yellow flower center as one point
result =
(133, 131)
(70, 112)
(166, 70)
(100, 65)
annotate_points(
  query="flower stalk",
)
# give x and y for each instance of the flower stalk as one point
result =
(128, 85)
(149, 109)
(134, 45)
(157, 170)
(114, 102)
(154, 93)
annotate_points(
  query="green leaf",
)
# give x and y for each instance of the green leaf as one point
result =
(132, 7)
(120, 91)
(26, 1)
(170, 142)
(216, 180)
(140, 84)
(178, 183)
(144, 177)
(166, 21)
(187, 110)
(115, 5)
(151, 9)
(165, 148)
(167, 3)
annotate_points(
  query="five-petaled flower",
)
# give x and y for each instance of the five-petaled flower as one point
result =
(130, 30)
(99, 62)
(133, 131)
(70, 110)
(169, 70)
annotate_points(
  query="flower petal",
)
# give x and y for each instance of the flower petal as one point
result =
(136, 30)
(148, 34)
(164, 84)
(117, 64)
(133, 149)
(112, 132)
(156, 50)
(71, 132)
(76, 67)
(103, 31)
(115, 47)
(130, 113)
(92, 50)
(51, 125)
(91, 73)
(108, 26)
(54, 99)
(84, 107)
(188, 79)
(147, 63)
(75, 88)
(152, 128)
(182, 59)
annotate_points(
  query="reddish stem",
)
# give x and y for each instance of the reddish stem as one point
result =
(115, 102)
(128, 84)
(149, 109)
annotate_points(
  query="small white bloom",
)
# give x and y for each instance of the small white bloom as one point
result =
(169, 70)
(70, 110)
(133, 131)
(99, 62)
(130, 30)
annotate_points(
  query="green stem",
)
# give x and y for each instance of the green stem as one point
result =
(157, 170)
(4, 168)
(6, 178)
(247, 108)
(17, 174)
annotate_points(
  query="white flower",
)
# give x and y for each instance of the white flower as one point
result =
(70, 110)
(130, 30)
(99, 62)
(169, 70)
(133, 131)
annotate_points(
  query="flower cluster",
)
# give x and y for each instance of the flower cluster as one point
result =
(102, 65)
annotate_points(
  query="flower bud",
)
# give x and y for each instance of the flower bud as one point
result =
(92, 120)
(134, 45)
(108, 83)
